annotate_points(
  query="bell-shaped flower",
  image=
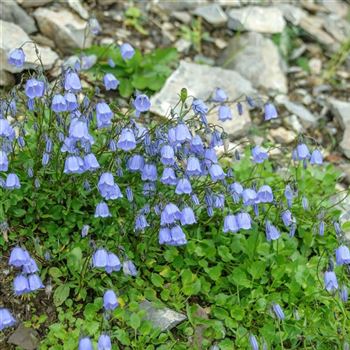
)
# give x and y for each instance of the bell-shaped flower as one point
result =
(126, 140)
(102, 210)
(6, 319)
(127, 51)
(103, 115)
(110, 81)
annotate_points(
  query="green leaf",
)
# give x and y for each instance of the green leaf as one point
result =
(61, 294)
(55, 272)
(74, 260)
(157, 280)
(125, 87)
(122, 336)
(135, 321)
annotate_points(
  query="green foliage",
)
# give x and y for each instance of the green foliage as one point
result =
(224, 283)
(135, 19)
(194, 34)
(146, 72)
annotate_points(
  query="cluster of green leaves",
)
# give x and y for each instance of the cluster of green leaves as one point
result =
(224, 283)
(146, 72)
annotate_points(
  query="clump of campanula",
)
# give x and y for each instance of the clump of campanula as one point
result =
(146, 181)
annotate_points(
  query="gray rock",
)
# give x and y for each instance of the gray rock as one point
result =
(293, 122)
(282, 135)
(13, 36)
(6, 78)
(341, 111)
(306, 117)
(11, 12)
(25, 338)
(257, 19)
(162, 318)
(337, 27)
(213, 14)
(183, 45)
(257, 59)
(313, 26)
(339, 7)
(182, 16)
(292, 13)
(66, 29)
(33, 3)
(180, 5)
(201, 81)
(76, 6)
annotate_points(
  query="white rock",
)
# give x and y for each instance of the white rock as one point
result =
(33, 3)
(257, 19)
(200, 81)
(76, 6)
(13, 36)
(6, 78)
(282, 135)
(212, 13)
(162, 318)
(183, 45)
(10, 11)
(306, 117)
(313, 26)
(292, 13)
(341, 111)
(66, 29)
(257, 59)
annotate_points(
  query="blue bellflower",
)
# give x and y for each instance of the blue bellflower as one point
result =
(110, 81)
(100, 258)
(127, 51)
(12, 182)
(272, 232)
(103, 115)
(183, 186)
(259, 154)
(104, 342)
(168, 177)
(102, 210)
(142, 104)
(34, 88)
(4, 163)
(270, 111)
(110, 301)
(16, 57)
(316, 157)
(330, 281)
(126, 140)
(6, 319)
(342, 255)
(85, 344)
(72, 82)
(219, 95)
(187, 216)
(230, 224)
(225, 113)
(129, 268)
(278, 311)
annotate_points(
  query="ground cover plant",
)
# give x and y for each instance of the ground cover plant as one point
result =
(99, 212)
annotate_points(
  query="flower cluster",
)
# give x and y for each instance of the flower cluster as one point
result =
(29, 280)
(173, 166)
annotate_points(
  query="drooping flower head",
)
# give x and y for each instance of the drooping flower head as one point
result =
(330, 281)
(85, 344)
(6, 319)
(103, 115)
(16, 57)
(278, 311)
(142, 104)
(259, 154)
(34, 88)
(270, 111)
(225, 113)
(219, 95)
(72, 82)
(104, 342)
(126, 140)
(110, 301)
(127, 51)
(110, 81)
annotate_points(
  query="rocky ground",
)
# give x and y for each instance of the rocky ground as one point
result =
(296, 53)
